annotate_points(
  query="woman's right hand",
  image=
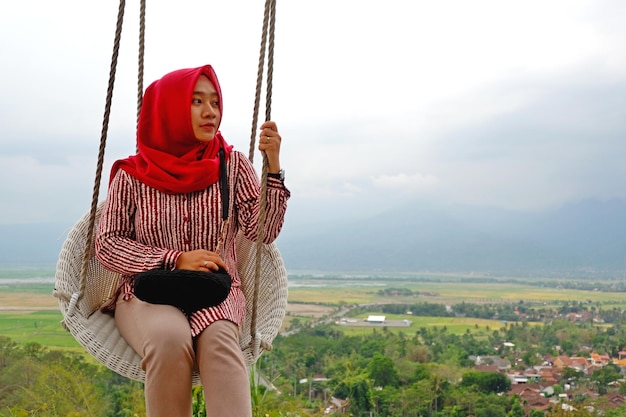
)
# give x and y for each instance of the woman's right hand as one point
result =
(200, 260)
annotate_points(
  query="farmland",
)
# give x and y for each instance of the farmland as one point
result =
(29, 312)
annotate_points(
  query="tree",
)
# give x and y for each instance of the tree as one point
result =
(357, 389)
(530, 358)
(8, 350)
(572, 373)
(50, 389)
(382, 371)
(491, 405)
(516, 408)
(605, 375)
(486, 382)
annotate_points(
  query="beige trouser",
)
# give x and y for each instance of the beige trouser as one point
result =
(162, 337)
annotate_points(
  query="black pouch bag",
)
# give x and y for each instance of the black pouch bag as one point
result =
(188, 290)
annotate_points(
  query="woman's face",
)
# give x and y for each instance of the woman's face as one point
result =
(205, 110)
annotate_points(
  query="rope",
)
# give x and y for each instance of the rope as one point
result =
(269, 19)
(105, 125)
(259, 81)
(140, 57)
(103, 138)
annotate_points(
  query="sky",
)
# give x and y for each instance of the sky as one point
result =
(509, 104)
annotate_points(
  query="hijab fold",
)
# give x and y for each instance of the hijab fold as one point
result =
(169, 157)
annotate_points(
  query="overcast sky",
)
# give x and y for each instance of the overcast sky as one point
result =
(514, 104)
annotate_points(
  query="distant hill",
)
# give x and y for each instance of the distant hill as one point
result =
(31, 244)
(582, 239)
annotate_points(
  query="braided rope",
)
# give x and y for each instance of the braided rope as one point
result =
(259, 81)
(140, 56)
(269, 19)
(270, 62)
(105, 127)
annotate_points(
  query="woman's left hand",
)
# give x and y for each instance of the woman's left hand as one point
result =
(200, 260)
(269, 142)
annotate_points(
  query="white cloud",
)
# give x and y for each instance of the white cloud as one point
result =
(409, 183)
(482, 102)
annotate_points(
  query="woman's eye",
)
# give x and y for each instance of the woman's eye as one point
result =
(196, 101)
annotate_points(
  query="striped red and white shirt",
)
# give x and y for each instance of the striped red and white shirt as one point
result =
(141, 228)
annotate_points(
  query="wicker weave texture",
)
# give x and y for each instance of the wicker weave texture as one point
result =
(272, 295)
(96, 332)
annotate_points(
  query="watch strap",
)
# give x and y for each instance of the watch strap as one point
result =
(278, 175)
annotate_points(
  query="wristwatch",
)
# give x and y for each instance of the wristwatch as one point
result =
(280, 175)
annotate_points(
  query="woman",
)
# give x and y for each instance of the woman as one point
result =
(163, 210)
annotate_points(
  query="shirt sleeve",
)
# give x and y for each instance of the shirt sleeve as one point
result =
(247, 191)
(116, 246)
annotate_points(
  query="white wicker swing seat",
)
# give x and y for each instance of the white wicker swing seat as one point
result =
(96, 331)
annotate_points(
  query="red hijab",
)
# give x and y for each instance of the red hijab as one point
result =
(169, 156)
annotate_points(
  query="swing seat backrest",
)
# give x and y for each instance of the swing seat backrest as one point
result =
(96, 332)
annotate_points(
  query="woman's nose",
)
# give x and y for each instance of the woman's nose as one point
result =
(209, 111)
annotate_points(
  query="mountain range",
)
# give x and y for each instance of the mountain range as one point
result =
(578, 239)
(587, 237)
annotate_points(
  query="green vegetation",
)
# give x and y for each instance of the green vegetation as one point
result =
(452, 324)
(35, 381)
(453, 290)
(426, 368)
(429, 373)
(41, 327)
(19, 288)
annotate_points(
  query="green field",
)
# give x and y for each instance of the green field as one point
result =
(41, 322)
(43, 327)
(363, 292)
(453, 325)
